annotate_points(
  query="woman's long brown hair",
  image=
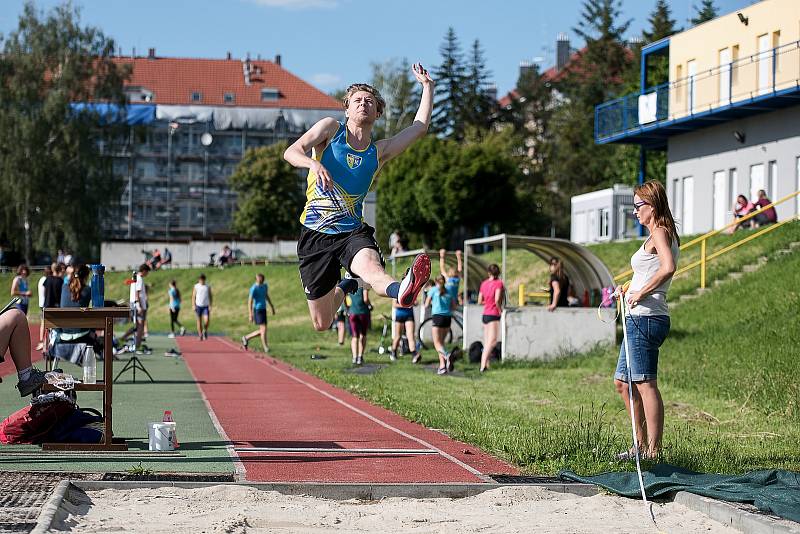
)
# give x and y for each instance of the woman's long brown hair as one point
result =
(654, 194)
(78, 281)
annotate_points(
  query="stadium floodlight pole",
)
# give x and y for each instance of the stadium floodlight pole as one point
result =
(206, 139)
(171, 128)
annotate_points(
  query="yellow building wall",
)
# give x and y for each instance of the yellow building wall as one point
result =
(779, 20)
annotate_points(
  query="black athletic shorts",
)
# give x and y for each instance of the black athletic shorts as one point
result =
(441, 321)
(490, 318)
(323, 255)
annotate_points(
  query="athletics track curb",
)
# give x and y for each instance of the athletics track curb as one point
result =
(720, 511)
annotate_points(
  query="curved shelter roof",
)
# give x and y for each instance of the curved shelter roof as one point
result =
(585, 270)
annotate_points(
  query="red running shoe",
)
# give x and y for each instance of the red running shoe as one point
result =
(414, 280)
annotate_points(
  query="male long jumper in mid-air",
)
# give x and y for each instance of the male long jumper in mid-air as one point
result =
(343, 164)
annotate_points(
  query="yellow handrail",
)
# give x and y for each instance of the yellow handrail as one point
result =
(704, 238)
(522, 296)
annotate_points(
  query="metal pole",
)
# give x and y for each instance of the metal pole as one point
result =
(205, 199)
(130, 182)
(169, 177)
(465, 313)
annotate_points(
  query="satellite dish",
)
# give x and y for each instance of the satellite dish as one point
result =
(206, 139)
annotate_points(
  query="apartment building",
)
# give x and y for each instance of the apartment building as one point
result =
(190, 122)
(728, 118)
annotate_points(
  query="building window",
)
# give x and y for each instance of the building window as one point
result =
(756, 180)
(269, 93)
(772, 184)
(733, 184)
(197, 96)
(229, 98)
(776, 42)
(605, 223)
(734, 61)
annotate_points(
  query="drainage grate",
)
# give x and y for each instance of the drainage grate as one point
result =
(170, 477)
(520, 479)
(23, 495)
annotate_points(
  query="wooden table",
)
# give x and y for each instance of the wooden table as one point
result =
(94, 319)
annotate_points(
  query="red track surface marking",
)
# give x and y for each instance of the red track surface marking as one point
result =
(7, 367)
(267, 403)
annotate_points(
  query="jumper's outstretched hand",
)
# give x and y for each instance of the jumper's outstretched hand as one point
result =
(421, 74)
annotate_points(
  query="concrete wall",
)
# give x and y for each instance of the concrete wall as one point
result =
(533, 333)
(698, 155)
(779, 20)
(117, 255)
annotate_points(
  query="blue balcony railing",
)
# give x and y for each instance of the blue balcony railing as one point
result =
(622, 114)
(767, 80)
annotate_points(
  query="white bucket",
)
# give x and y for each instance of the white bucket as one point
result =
(162, 436)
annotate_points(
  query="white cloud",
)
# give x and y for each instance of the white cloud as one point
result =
(297, 4)
(325, 80)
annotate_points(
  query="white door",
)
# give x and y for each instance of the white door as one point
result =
(764, 64)
(756, 180)
(691, 68)
(772, 189)
(725, 76)
(720, 200)
(688, 205)
(580, 228)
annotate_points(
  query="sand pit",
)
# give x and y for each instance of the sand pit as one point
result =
(239, 509)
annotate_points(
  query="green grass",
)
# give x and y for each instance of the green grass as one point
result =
(728, 370)
(135, 404)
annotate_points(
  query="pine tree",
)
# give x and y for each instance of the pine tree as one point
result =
(707, 11)
(661, 23)
(449, 93)
(401, 92)
(479, 104)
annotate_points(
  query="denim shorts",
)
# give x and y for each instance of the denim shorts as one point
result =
(646, 333)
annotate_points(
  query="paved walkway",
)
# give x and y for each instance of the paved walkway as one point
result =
(287, 425)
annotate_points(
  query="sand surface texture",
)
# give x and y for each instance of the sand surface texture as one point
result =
(237, 509)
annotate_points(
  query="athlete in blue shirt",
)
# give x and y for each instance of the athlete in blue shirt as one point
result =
(452, 275)
(343, 165)
(257, 302)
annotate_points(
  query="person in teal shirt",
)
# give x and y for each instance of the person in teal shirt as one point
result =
(174, 309)
(442, 305)
(359, 318)
(257, 307)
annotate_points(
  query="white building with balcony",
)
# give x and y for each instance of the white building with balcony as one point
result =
(728, 118)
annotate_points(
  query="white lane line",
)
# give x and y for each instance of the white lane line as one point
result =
(305, 450)
(238, 466)
(372, 418)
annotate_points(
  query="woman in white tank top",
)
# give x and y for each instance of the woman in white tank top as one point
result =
(647, 319)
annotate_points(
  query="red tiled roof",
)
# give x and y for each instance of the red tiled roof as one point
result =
(173, 80)
(550, 75)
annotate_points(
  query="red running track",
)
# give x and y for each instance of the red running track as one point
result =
(266, 403)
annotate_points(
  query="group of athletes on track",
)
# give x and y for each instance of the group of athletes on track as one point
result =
(343, 163)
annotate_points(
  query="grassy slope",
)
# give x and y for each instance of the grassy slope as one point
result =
(732, 405)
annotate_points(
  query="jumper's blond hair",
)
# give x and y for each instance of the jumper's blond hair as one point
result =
(356, 87)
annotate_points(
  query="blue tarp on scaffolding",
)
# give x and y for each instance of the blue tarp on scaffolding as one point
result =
(113, 113)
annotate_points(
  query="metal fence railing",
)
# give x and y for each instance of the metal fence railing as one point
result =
(740, 80)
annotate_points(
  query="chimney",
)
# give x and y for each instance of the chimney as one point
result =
(278, 59)
(525, 67)
(246, 69)
(229, 56)
(151, 53)
(562, 51)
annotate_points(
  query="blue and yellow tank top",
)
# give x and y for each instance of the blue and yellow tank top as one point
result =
(340, 210)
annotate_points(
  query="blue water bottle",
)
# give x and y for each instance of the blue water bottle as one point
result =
(98, 285)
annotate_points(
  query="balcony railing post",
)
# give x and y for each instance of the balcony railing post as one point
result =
(703, 264)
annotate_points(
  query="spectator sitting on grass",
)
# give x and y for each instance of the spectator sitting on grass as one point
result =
(765, 216)
(740, 209)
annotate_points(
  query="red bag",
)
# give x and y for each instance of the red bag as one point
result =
(31, 424)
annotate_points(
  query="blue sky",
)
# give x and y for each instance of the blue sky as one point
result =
(332, 43)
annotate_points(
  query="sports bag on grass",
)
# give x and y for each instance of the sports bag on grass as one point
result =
(32, 424)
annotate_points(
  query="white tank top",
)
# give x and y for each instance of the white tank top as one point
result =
(201, 295)
(645, 266)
